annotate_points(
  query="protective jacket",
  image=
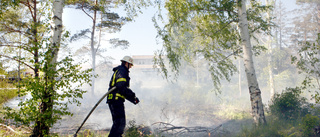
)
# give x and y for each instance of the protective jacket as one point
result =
(121, 80)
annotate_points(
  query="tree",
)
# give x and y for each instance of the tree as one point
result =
(209, 29)
(254, 90)
(318, 9)
(109, 20)
(308, 62)
(41, 128)
(306, 24)
(53, 86)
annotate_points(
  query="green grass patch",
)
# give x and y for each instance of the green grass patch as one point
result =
(7, 91)
(273, 128)
(232, 113)
(7, 94)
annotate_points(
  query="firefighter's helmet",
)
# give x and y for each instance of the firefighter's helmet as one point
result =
(127, 59)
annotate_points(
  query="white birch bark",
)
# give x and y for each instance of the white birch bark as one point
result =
(254, 90)
(57, 28)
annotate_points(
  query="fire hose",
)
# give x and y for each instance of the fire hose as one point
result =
(84, 121)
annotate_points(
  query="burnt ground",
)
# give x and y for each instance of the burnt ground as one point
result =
(180, 121)
(227, 129)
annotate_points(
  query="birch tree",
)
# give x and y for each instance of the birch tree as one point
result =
(317, 2)
(209, 29)
(50, 96)
(254, 90)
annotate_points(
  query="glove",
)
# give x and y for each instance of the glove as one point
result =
(136, 101)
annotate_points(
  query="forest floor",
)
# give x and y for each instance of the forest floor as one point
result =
(221, 128)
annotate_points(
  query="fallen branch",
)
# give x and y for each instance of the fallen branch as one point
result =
(166, 127)
(8, 127)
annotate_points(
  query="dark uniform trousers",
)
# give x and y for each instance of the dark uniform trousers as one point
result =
(118, 118)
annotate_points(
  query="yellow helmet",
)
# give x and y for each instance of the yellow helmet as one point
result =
(127, 59)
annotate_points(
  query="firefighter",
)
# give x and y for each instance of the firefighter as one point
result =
(115, 99)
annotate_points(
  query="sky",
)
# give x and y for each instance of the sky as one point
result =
(141, 33)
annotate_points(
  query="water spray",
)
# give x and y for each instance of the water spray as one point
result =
(95, 106)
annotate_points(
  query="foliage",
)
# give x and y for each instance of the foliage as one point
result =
(309, 122)
(7, 3)
(134, 130)
(205, 29)
(308, 61)
(68, 89)
(302, 126)
(2, 68)
(288, 105)
(7, 94)
(54, 85)
(274, 128)
(7, 91)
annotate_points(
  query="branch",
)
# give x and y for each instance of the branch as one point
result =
(30, 7)
(17, 61)
(212, 10)
(10, 30)
(168, 127)
(9, 128)
(99, 44)
(8, 45)
(86, 12)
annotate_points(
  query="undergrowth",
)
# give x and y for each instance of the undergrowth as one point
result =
(289, 115)
(7, 91)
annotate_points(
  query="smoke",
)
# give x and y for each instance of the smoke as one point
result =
(189, 101)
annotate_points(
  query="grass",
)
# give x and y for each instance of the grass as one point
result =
(7, 91)
(273, 128)
(232, 113)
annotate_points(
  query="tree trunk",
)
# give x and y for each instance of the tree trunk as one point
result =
(93, 50)
(318, 7)
(254, 90)
(38, 122)
(239, 83)
(46, 108)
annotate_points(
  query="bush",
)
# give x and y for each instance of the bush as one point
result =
(289, 105)
(137, 131)
(309, 122)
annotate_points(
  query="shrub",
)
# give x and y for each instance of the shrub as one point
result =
(289, 105)
(137, 131)
(309, 122)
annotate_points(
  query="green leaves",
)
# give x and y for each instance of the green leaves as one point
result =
(308, 61)
(55, 85)
(209, 30)
(7, 3)
(68, 88)
(289, 104)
